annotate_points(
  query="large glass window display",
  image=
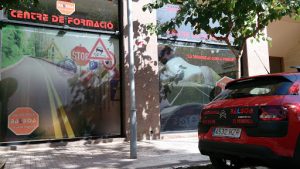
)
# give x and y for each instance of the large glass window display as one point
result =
(190, 76)
(193, 69)
(57, 84)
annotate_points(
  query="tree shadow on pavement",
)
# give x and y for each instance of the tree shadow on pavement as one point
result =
(110, 155)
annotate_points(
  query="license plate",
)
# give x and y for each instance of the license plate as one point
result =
(227, 132)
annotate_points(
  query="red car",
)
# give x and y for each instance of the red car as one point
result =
(254, 121)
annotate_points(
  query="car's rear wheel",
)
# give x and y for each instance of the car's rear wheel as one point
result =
(224, 163)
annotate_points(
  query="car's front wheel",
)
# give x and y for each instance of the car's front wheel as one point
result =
(224, 163)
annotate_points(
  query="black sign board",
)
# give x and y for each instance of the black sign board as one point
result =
(86, 14)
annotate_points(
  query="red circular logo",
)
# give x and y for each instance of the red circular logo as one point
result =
(80, 55)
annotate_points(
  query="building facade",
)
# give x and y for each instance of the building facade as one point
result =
(64, 71)
(284, 49)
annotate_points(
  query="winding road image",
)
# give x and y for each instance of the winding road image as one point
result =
(49, 91)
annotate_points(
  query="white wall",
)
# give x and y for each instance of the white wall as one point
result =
(257, 57)
(285, 36)
(292, 58)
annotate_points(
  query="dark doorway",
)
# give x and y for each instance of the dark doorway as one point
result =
(276, 64)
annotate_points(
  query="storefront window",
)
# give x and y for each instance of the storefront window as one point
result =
(188, 79)
(58, 84)
(193, 69)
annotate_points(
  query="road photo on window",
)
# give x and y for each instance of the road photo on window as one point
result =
(52, 89)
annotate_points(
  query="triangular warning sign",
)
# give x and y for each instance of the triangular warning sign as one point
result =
(99, 51)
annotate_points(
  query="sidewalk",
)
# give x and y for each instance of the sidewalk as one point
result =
(169, 152)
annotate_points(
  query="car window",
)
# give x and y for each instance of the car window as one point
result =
(259, 86)
(260, 91)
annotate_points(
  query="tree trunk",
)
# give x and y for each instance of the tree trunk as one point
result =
(238, 55)
(238, 65)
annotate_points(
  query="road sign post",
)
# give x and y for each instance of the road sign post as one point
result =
(133, 125)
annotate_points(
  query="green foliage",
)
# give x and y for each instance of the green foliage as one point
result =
(16, 44)
(240, 19)
(13, 45)
(29, 50)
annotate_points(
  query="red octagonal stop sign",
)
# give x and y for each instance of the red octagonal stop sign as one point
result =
(23, 121)
(80, 55)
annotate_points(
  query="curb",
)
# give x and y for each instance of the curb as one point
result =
(177, 135)
(63, 143)
(49, 144)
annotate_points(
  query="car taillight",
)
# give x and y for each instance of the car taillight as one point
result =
(207, 112)
(273, 113)
(292, 108)
(294, 89)
(204, 119)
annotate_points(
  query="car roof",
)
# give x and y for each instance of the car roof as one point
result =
(292, 76)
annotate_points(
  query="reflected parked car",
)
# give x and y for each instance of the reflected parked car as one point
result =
(254, 120)
(183, 117)
(68, 65)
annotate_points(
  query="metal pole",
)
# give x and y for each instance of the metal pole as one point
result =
(133, 132)
(1, 17)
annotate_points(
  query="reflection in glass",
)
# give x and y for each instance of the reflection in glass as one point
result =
(188, 77)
